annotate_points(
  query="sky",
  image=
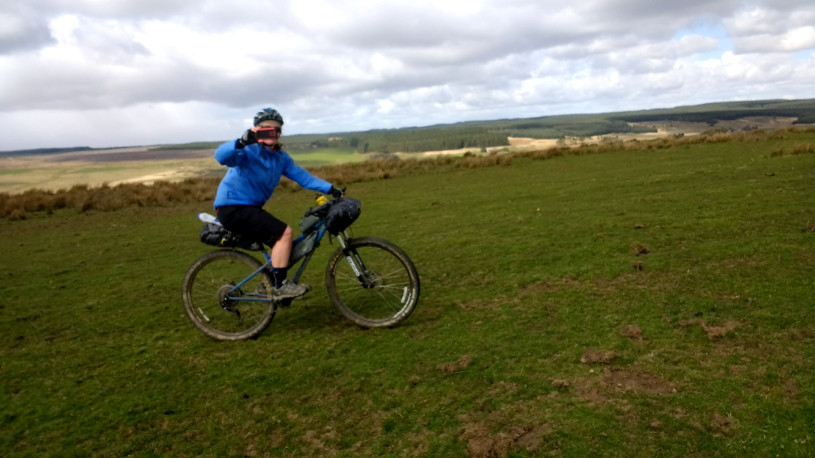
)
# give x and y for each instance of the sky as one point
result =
(104, 73)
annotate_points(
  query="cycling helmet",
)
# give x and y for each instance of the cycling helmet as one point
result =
(268, 114)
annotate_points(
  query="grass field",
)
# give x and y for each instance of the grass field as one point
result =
(323, 156)
(630, 303)
(38, 174)
(63, 171)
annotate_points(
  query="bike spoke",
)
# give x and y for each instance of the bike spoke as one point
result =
(216, 307)
(388, 290)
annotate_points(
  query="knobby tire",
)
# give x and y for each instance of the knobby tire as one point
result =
(207, 302)
(391, 293)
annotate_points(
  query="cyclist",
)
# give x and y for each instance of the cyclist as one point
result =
(256, 162)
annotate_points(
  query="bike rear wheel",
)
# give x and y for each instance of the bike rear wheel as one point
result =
(219, 309)
(386, 290)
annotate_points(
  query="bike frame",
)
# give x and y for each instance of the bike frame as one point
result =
(356, 263)
(321, 230)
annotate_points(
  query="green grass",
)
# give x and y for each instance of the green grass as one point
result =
(323, 156)
(99, 169)
(15, 171)
(708, 249)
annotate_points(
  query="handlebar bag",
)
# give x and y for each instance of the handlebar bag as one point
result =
(342, 214)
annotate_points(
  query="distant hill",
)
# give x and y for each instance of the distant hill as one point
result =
(495, 133)
(483, 134)
(44, 151)
(710, 113)
(52, 151)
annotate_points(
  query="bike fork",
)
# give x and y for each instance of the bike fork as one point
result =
(354, 260)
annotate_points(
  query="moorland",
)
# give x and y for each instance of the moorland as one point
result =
(62, 168)
(616, 298)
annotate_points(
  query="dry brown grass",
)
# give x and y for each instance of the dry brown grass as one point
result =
(84, 198)
(105, 198)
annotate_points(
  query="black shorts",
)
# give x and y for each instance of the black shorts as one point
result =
(254, 223)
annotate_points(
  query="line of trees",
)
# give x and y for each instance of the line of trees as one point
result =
(481, 136)
(409, 140)
(576, 128)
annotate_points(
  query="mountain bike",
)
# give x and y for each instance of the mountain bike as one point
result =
(228, 293)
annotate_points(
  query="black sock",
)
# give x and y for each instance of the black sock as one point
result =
(280, 274)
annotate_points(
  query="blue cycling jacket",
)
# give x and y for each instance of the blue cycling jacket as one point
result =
(254, 172)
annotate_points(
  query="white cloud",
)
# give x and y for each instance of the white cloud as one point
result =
(174, 70)
(694, 44)
(799, 39)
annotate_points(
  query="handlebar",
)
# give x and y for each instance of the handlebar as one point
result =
(321, 210)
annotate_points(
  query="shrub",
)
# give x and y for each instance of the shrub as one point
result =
(802, 148)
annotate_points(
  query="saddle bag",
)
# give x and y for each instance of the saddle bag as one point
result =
(216, 235)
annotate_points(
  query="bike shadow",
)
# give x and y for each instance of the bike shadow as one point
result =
(305, 316)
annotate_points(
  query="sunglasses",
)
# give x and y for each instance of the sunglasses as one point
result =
(268, 133)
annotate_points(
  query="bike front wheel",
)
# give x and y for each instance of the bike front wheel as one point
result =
(217, 306)
(373, 283)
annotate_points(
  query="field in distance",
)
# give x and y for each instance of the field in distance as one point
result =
(148, 164)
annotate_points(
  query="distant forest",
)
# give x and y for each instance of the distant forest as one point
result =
(484, 134)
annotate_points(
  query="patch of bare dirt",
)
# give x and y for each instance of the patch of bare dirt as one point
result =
(640, 249)
(458, 366)
(618, 380)
(723, 425)
(319, 441)
(791, 389)
(505, 431)
(640, 381)
(633, 332)
(560, 383)
(592, 356)
(480, 443)
(712, 331)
